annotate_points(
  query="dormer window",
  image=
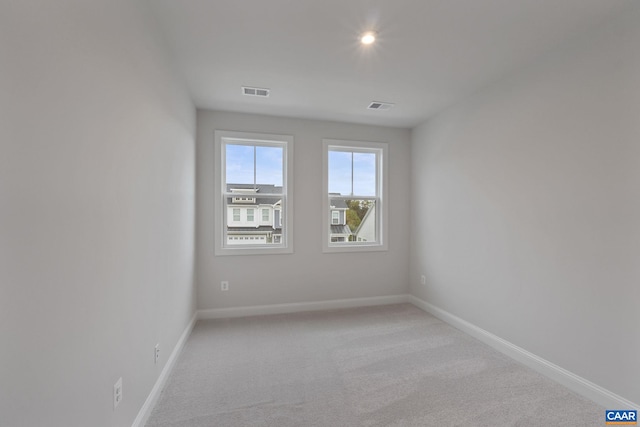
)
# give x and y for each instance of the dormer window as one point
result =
(244, 200)
(245, 195)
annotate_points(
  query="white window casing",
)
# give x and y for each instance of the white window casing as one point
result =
(375, 231)
(236, 237)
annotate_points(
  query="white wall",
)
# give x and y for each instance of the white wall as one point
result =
(96, 210)
(307, 275)
(526, 210)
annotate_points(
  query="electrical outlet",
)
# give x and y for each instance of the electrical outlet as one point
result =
(156, 355)
(224, 285)
(117, 393)
(423, 279)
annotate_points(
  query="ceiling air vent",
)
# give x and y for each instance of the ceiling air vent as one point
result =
(381, 106)
(255, 91)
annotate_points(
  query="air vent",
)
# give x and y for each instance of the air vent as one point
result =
(255, 91)
(381, 106)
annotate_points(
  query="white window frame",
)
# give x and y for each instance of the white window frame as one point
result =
(382, 207)
(221, 138)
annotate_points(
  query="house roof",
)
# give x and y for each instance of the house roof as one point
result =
(338, 203)
(261, 229)
(262, 189)
(340, 229)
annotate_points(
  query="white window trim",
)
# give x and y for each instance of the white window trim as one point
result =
(382, 212)
(220, 212)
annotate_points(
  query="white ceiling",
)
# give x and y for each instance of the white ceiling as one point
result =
(429, 53)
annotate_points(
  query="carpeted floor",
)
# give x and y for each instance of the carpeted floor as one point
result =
(392, 365)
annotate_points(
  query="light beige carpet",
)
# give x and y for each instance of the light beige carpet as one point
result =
(377, 366)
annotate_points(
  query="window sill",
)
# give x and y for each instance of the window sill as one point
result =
(354, 248)
(252, 251)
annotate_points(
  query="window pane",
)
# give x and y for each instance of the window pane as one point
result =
(340, 172)
(239, 164)
(335, 217)
(269, 167)
(364, 174)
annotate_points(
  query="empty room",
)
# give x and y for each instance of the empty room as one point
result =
(319, 213)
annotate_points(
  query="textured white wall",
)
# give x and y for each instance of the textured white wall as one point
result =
(96, 211)
(306, 275)
(526, 208)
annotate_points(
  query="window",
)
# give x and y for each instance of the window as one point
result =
(244, 200)
(355, 187)
(252, 177)
(335, 217)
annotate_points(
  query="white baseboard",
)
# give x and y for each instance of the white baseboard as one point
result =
(152, 399)
(570, 380)
(256, 310)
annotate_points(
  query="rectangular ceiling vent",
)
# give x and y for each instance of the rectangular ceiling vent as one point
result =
(381, 106)
(255, 91)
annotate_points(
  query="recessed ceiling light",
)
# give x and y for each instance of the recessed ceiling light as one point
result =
(368, 37)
